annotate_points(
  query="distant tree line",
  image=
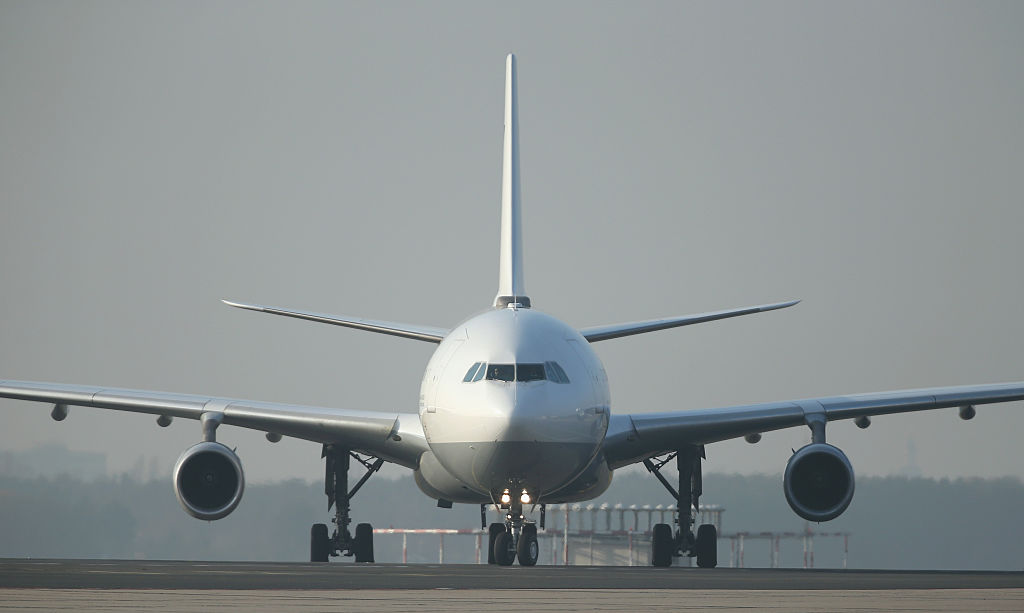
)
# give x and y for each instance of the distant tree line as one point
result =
(905, 523)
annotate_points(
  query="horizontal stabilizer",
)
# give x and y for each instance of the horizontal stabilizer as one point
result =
(603, 333)
(429, 334)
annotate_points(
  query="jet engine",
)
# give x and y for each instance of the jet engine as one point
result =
(208, 480)
(818, 482)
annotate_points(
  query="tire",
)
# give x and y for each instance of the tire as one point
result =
(362, 545)
(528, 549)
(707, 546)
(319, 543)
(492, 533)
(504, 553)
(662, 544)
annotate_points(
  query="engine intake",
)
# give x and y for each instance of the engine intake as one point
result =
(818, 482)
(208, 480)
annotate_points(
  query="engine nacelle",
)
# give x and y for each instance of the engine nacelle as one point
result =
(208, 480)
(818, 482)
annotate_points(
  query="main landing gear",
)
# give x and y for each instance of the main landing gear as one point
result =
(664, 544)
(341, 542)
(516, 538)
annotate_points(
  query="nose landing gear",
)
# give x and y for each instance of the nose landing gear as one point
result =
(504, 549)
(516, 538)
(528, 549)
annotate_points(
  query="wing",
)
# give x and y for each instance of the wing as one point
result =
(395, 437)
(632, 438)
(429, 334)
(602, 333)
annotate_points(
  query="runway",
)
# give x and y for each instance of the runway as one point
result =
(202, 587)
(535, 601)
(169, 575)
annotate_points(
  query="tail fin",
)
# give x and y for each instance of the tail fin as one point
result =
(510, 275)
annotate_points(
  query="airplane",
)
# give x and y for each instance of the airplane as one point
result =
(515, 413)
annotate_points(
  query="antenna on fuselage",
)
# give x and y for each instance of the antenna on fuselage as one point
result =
(511, 289)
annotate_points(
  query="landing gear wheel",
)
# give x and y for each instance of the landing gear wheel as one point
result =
(504, 552)
(662, 544)
(528, 549)
(492, 533)
(362, 545)
(707, 546)
(319, 543)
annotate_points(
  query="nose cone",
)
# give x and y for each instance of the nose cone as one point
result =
(536, 412)
(522, 434)
(498, 411)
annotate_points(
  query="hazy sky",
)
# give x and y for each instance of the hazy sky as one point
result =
(865, 157)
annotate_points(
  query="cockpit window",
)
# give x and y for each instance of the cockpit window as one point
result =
(472, 371)
(501, 372)
(555, 372)
(530, 372)
(524, 373)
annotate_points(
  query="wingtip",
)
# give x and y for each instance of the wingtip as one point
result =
(780, 305)
(240, 305)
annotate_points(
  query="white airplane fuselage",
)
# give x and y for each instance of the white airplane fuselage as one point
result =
(514, 428)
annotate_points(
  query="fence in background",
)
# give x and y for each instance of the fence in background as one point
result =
(619, 535)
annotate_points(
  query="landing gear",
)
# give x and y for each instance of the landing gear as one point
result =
(504, 549)
(322, 547)
(515, 538)
(528, 549)
(662, 545)
(665, 546)
(492, 535)
(707, 546)
(319, 543)
(362, 545)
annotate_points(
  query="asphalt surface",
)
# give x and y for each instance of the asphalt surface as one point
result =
(170, 575)
(534, 601)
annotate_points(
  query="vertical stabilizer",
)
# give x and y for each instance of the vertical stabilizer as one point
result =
(510, 264)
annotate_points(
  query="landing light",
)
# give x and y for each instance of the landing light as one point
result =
(506, 497)
(525, 498)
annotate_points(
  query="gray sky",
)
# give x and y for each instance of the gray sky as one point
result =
(864, 157)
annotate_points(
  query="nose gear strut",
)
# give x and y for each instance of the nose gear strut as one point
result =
(516, 538)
